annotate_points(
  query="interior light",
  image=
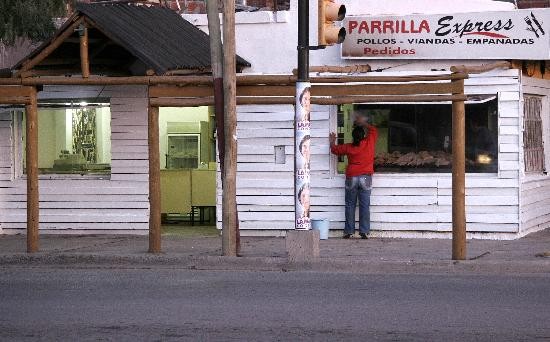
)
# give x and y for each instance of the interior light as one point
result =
(484, 159)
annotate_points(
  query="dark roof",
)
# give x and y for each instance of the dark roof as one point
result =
(157, 35)
(130, 39)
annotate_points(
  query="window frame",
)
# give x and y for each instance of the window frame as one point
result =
(538, 87)
(333, 127)
(19, 150)
(540, 169)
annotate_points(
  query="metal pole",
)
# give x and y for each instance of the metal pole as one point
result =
(458, 183)
(302, 126)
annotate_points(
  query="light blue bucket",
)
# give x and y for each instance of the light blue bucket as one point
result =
(322, 226)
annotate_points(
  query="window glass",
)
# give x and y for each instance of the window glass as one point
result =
(533, 146)
(74, 140)
(199, 6)
(418, 137)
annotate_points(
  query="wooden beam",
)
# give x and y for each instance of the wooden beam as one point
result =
(184, 72)
(90, 40)
(478, 69)
(29, 64)
(316, 90)
(207, 80)
(154, 180)
(372, 99)
(39, 72)
(185, 91)
(209, 101)
(458, 178)
(56, 62)
(356, 68)
(84, 61)
(188, 102)
(206, 91)
(15, 100)
(32, 173)
(389, 79)
(16, 91)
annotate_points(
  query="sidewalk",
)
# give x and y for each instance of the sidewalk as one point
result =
(376, 255)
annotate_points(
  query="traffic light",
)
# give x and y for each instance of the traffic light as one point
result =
(328, 13)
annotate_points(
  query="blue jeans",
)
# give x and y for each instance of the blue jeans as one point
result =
(358, 186)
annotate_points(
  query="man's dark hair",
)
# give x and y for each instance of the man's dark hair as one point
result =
(357, 134)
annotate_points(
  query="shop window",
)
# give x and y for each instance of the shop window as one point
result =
(418, 137)
(73, 139)
(199, 6)
(533, 148)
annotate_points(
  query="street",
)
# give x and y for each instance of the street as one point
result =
(51, 303)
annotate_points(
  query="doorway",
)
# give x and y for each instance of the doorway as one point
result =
(187, 168)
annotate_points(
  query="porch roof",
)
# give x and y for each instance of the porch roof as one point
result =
(125, 39)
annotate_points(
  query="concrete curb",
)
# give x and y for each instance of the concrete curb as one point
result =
(278, 264)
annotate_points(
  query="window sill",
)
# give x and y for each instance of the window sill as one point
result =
(260, 17)
(65, 176)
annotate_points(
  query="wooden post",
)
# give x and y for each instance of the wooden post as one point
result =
(216, 58)
(32, 173)
(84, 61)
(459, 151)
(154, 180)
(229, 197)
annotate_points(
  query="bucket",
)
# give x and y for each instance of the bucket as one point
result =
(322, 226)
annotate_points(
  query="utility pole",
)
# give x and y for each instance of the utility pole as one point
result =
(302, 124)
(229, 174)
(302, 243)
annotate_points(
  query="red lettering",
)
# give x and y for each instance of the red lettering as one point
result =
(352, 25)
(375, 25)
(404, 26)
(388, 26)
(424, 25)
(363, 27)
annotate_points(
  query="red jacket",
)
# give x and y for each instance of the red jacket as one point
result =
(360, 158)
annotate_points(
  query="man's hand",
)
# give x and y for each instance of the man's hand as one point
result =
(332, 138)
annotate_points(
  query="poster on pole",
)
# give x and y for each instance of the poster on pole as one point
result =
(518, 34)
(302, 148)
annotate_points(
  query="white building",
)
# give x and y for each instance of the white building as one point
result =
(506, 200)
(505, 197)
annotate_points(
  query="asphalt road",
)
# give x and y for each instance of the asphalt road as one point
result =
(91, 304)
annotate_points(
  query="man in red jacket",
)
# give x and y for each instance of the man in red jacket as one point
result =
(359, 172)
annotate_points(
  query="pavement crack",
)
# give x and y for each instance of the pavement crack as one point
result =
(480, 256)
(110, 242)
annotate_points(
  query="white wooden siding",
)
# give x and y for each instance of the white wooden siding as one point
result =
(535, 187)
(402, 202)
(119, 202)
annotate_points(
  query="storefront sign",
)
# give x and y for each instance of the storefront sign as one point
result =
(519, 34)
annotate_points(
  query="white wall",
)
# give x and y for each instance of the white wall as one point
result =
(268, 40)
(400, 202)
(86, 203)
(535, 187)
